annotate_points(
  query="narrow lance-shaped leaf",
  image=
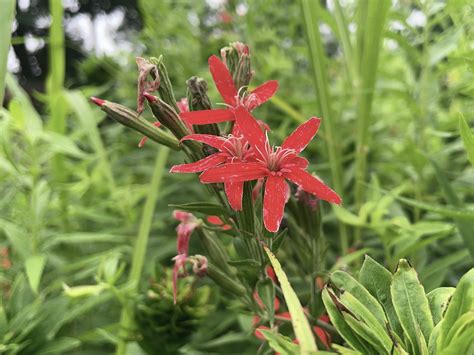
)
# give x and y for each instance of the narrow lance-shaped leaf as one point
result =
(461, 302)
(300, 324)
(377, 280)
(411, 306)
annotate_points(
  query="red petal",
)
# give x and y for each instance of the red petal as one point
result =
(142, 141)
(300, 162)
(274, 200)
(209, 139)
(223, 80)
(207, 116)
(234, 172)
(312, 185)
(262, 94)
(301, 136)
(250, 129)
(234, 192)
(200, 165)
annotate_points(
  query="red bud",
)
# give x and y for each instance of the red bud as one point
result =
(97, 101)
(150, 97)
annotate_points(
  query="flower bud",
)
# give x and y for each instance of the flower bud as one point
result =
(215, 251)
(225, 281)
(237, 59)
(131, 119)
(198, 100)
(165, 89)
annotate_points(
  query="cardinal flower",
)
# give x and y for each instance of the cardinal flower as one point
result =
(230, 94)
(276, 165)
(229, 149)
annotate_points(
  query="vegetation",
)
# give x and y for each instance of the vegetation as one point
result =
(240, 246)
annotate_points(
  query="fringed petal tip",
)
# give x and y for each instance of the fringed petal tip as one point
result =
(97, 101)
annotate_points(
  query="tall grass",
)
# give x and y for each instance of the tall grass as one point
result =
(140, 249)
(6, 19)
(318, 60)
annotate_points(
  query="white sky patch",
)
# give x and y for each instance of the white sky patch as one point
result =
(24, 4)
(216, 4)
(13, 64)
(241, 9)
(416, 19)
(43, 22)
(99, 35)
(32, 43)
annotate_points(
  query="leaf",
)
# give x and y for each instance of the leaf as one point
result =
(59, 143)
(439, 299)
(461, 303)
(445, 46)
(266, 292)
(467, 138)
(60, 346)
(411, 306)
(377, 281)
(34, 266)
(341, 325)
(462, 341)
(279, 343)
(368, 326)
(347, 217)
(346, 282)
(300, 324)
(207, 208)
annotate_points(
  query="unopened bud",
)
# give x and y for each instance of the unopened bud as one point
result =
(215, 251)
(226, 282)
(131, 119)
(237, 59)
(198, 100)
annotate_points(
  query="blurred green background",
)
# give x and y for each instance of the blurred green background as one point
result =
(393, 82)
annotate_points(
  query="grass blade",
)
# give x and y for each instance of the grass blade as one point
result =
(6, 19)
(318, 60)
(370, 35)
(298, 319)
(139, 252)
(467, 137)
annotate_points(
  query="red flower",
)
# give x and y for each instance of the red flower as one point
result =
(226, 87)
(276, 165)
(230, 149)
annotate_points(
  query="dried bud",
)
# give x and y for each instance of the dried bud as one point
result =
(146, 69)
(199, 264)
(237, 59)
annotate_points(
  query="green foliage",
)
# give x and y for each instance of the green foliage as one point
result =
(387, 313)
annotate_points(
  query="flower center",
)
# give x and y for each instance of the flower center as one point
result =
(274, 158)
(237, 147)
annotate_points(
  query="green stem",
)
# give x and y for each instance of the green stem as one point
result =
(139, 252)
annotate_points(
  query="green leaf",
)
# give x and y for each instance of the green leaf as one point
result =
(439, 300)
(207, 208)
(467, 137)
(462, 302)
(347, 217)
(280, 343)
(346, 282)
(377, 281)
(462, 341)
(368, 326)
(333, 308)
(411, 306)
(266, 292)
(7, 15)
(34, 266)
(60, 346)
(300, 324)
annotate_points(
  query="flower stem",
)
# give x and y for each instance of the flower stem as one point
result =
(139, 252)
